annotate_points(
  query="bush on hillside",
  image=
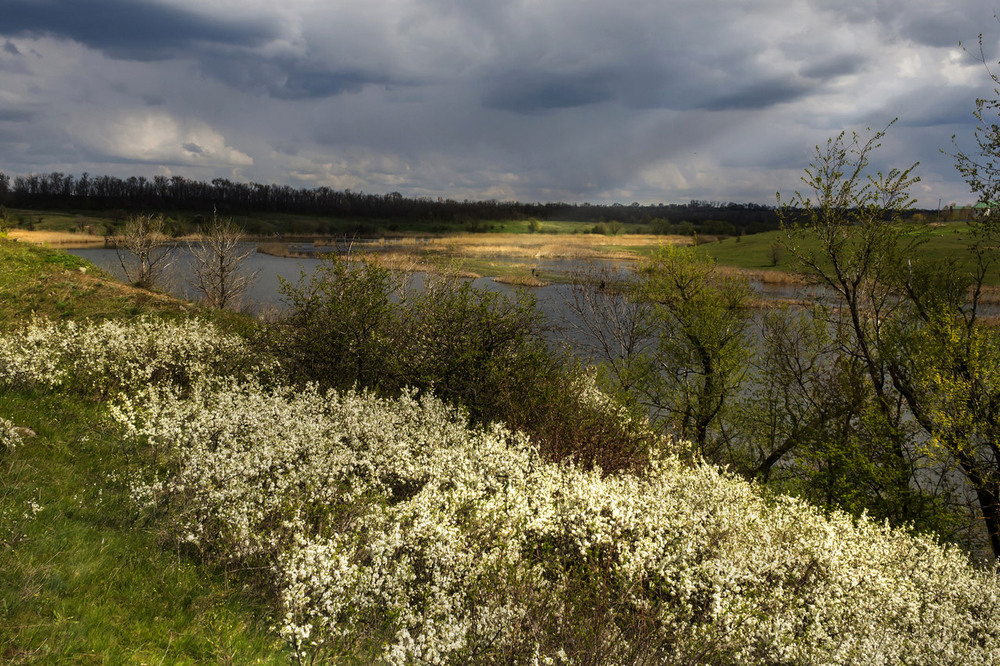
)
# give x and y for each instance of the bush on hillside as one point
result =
(472, 347)
(395, 532)
(103, 358)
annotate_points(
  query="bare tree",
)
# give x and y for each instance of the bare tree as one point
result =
(143, 239)
(219, 272)
(611, 324)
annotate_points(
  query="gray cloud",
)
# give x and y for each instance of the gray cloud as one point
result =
(290, 78)
(840, 65)
(134, 29)
(761, 95)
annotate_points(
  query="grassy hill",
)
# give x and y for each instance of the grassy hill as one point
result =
(764, 251)
(81, 578)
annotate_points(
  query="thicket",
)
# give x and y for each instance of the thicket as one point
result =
(356, 324)
(387, 529)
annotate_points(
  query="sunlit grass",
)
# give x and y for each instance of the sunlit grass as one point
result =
(81, 580)
(949, 240)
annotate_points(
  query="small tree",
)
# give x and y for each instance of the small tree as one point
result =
(699, 323)
(776, 253)
(612, 324)
(844, 232)
(219, 272)
(143, 239)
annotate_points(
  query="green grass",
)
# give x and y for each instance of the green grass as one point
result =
(57, 220)
(294, 224)
(84, 580)
(39, 281)
(36, 281)
(945, 241)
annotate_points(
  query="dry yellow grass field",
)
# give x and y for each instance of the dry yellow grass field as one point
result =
(55, 238)
(548, 246)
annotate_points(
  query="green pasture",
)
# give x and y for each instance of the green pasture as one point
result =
(765, 251)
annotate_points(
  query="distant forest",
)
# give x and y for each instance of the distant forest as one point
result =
(175, 193)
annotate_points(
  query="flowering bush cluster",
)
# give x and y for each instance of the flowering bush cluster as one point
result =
(391, 531)
(395, 532)
(107, 357)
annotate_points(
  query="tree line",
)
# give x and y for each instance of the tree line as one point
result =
(140, 194)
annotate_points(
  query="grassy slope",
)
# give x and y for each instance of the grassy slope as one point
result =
(81, 582)
(754, 252)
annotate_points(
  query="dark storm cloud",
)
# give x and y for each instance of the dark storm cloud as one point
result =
(926, 109)
(566, 99)
(16, 116)
(941, 28)
(935, 24)
(761, 95)
(132, 29)
(287, 78)
(652, 85)
(533, 92)
(833, 67)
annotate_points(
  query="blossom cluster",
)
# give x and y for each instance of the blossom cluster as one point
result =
(106, 357)
(9, 436)
(396, 532)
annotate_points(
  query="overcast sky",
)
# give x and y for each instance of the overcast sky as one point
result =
(535, 100)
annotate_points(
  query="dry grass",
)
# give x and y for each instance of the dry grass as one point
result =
(280, 250)
(547, 246)
(55, 238)
(408, 262)
(773, 277)
(470, 255)
(990, 295)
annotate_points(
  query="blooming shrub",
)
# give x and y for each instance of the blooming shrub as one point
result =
(393, 531)
(107, 357)
(9, 436)
(388, 530)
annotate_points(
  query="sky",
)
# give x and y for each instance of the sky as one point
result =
(532, 100)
